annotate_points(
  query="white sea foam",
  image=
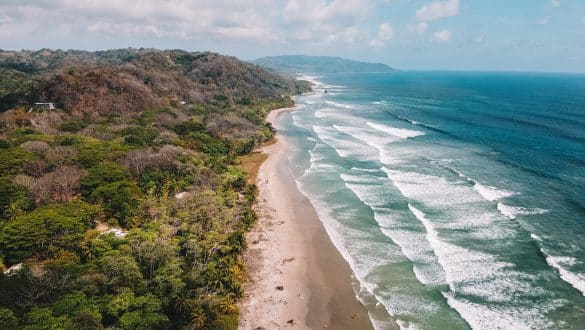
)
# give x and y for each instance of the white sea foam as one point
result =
(406, 325)
(318, 163)
(536, 237)
(480, 274)
(299, 122)
(345, 148)
(372, 191)
(413, 245)
(491, 193)
(369, 138)
(562, 265)
(513, 211)
(433, 190)
(321, 114)
(311, 79)
(339, 105)
(490, 317)
(329, 112)
(398, 132)
(374, 140)
(369, 170)
(460, 207)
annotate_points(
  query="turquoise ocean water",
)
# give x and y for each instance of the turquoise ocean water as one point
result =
(457, 198)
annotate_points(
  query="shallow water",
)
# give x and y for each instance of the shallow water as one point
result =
(457, 198)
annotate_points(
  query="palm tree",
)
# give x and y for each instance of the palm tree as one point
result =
(227, 305)
(198, 318)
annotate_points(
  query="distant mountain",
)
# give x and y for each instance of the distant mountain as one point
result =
(318, 64)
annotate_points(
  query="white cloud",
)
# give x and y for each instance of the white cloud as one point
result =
(437, 10)
(351, 34)
(555, 3)
(385, 33)
(442, 36)
(324, 21)
(323, 11)
(6, 19)
(420, 28)
(316, 22)
(542, 21)
(183, 19)
(376, 43)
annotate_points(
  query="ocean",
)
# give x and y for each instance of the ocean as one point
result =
(458, 199)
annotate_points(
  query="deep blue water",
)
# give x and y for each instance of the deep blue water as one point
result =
(457, 198)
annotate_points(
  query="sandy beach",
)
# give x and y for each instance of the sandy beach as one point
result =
(297, 278)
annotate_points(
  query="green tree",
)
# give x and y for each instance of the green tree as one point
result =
(43, 319)
(121, 271)
(143, 312)
(13, 199)
(13, 159)
(46, 229)
(110, 184)
(7, 319)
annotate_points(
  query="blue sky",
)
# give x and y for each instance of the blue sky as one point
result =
(522, 35)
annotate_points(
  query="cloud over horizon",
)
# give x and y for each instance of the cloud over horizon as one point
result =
(410, 32)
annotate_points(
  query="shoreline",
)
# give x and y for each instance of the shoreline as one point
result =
(296, 276)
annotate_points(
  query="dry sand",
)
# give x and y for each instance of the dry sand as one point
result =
(297, 278)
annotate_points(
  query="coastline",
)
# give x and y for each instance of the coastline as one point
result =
(297, 278)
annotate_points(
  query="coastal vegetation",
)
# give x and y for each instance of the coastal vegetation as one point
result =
(126, 207)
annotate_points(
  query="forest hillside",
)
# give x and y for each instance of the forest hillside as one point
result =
(122, 203)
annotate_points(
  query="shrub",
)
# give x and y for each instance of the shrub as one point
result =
(36, 146)
(13, 159)
(22, 135)
(93, 153)
(7, 319)
(68, 140)
(220, 97)
(206, 143)
(234, 178)
(189, 126)
(102, 174)
(224, 322)
(139, 135)
(245, 101)
(72, 126)
(13, 199)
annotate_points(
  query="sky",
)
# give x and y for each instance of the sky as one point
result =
(500, 35)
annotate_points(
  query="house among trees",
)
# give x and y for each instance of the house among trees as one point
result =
(43, 106)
